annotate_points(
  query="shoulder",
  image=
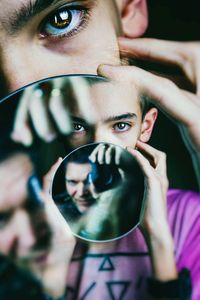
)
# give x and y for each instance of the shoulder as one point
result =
(183, 203)
(183, 210)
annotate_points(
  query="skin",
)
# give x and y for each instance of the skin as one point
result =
(29, 48)
(121, 123)
(39, 247)
(12, 60)
(77, 188)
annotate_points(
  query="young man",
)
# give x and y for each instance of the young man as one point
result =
(40, 39)
(126, 123)
(121, 269)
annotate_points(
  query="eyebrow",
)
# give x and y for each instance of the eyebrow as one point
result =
(126, 116)
(78, 120)
(26, 12)
(121, 117)
(29, 10)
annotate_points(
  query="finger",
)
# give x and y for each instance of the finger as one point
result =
(48, 178)
(143, 162)
(161, 91)
(93, 155)
(167, 52)
(21, 131)
(197, 64)
(108, 155)
(59, 111)
(101, 154)
(118, 152)
(38, 109)
(193, 97)
(159, 157)
(82, 97)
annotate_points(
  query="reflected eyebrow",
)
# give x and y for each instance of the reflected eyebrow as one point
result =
(78, 120)
(29, 10)
(121, 117)
(126, 116)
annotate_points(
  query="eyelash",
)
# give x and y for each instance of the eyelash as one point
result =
(84, 15)
(127, 127)
(79, 131)
(121, 130)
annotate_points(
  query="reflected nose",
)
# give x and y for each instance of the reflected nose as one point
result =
(101, 136)
(82, 189)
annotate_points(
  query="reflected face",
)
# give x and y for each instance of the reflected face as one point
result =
(78, 187)
(20, 236)
(116, 117)
(44, 38)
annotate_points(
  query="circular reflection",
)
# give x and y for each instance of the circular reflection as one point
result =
(99, 189)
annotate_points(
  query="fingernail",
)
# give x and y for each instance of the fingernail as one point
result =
(104, 69)
(59, 159)
(49, 137)
(131, 150)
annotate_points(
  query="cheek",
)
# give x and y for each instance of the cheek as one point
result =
(71, 190)
(95, 44)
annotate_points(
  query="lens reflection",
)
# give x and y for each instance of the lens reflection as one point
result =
(99, 190)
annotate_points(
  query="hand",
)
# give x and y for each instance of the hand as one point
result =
(34, 236)
(54, 276)
(39, 102)
(182, 106)
(184, 55)
(48, 106)
(106, 155)
(155, 224)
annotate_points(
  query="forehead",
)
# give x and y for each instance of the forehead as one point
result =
(77, 170)
(111, 99)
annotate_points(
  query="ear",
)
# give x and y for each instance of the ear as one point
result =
(148, 124)
(134, 16)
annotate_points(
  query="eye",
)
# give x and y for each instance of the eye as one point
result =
(71, 182)
(64, 22)
(78, 128)
(121, 127)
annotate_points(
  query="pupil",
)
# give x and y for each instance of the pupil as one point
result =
(61, 20)
(77, 127)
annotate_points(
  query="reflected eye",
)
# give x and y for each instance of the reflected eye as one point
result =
(65, 21)
(121, 127)
(78, 128)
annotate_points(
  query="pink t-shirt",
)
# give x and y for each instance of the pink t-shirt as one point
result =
(119, 270)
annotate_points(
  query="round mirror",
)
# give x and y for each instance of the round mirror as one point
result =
(99, 189)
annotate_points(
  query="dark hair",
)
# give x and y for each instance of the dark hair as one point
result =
(145, 104)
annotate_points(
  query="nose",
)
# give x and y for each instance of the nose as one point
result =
(101, 136)
(82, 189)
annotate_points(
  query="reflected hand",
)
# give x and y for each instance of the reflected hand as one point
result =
(42, 103)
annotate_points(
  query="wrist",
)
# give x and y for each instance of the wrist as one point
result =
(161, 248)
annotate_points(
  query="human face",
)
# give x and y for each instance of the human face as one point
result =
(20, 236)
(44, 38)
(116, 116)
(77, 185)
